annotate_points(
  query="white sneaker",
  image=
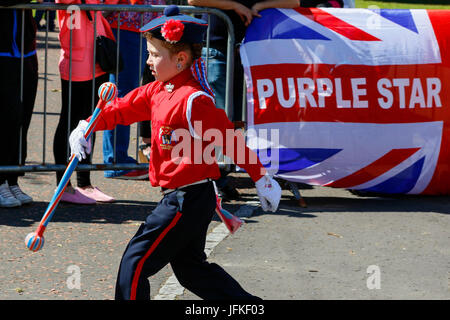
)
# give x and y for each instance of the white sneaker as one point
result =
(20, 195)
(7, 199)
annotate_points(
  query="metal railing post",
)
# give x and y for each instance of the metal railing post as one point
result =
(22, 167)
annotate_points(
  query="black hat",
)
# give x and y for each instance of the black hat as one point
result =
(174, 27)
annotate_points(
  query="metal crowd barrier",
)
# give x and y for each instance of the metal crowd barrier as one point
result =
(43, 166)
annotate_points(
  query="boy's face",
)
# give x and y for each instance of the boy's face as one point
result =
(162, 64)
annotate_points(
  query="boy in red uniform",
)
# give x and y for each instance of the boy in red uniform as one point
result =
(180, 105)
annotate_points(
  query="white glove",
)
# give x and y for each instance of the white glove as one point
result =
(269, 192)
(78, 144)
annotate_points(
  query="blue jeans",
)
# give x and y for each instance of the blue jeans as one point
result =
(217, 70)
(128, 80)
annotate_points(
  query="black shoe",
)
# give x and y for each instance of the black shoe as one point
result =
(228, 193)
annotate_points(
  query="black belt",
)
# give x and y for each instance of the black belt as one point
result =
(165, 191)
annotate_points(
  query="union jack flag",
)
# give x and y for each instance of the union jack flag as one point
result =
(351, 98)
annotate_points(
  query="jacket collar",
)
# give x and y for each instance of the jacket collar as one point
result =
(177, 81)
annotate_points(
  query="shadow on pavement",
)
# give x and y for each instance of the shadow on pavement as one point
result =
(115, 213)
(352, 201)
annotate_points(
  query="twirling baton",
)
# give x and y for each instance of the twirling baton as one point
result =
(35, 240)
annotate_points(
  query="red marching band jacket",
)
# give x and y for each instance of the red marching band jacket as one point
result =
(186, 125)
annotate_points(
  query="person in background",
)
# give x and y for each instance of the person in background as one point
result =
(241, 13)
(16, 107)
(77, 90)
(50, 17)
(131, 45)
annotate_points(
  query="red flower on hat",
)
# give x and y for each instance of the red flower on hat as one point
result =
(172, 30)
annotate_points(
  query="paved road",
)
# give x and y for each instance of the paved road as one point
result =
(340, 247)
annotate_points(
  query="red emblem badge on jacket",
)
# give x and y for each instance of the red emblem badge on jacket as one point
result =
(166, 137)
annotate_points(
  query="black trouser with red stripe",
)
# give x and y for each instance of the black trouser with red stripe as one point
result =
(175, 233)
